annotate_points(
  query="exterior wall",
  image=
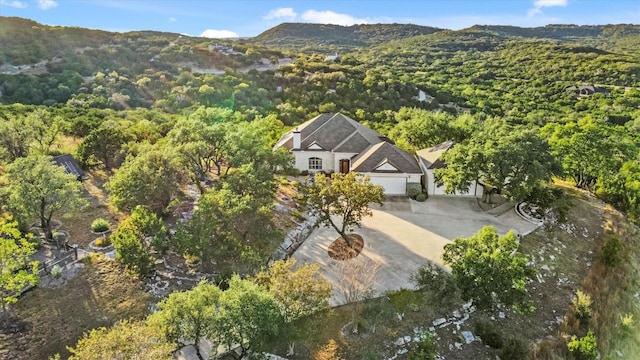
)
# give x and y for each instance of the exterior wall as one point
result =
(302, 160)
(341, 156)
(474, 190)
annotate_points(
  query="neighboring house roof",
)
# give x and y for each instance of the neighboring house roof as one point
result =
(70, 165)
(431, 158)
(384, 157)
(332, 132)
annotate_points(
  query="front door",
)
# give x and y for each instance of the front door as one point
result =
(344, 166)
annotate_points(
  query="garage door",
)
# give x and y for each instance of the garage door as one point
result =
(392, 185)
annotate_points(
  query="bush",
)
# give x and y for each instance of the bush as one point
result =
(584, 348)
(425, 349)
(56, 271)
(514, 349)
(404, 300)
(102, 242)
(99, 225)
(413, 190)
(59, 237)
(582, 305)
(489, 333)
(442, 285)
(421, 197)
(610, 252)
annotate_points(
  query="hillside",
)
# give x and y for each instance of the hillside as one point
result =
(297, 35)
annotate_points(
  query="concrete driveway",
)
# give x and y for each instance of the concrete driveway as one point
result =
(403, 234)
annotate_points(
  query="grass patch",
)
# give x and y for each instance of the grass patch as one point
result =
(99, 295)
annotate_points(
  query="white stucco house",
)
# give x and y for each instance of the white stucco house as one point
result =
(337, 143)
(430, 160)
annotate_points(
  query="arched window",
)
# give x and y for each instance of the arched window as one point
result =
(315, 163)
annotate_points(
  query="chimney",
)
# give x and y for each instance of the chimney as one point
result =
(297, 139)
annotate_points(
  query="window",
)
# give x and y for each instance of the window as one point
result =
(315, 163)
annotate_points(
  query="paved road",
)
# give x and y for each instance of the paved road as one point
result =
(403, 234)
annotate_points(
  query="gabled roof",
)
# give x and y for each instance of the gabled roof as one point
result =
(70, 165)
(431, 158)
(333, 132)
(382, 158)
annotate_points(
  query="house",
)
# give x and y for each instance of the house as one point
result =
(70, 165)
(430, 160)
(337, 143)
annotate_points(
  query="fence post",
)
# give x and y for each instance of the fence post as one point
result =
(75, 251)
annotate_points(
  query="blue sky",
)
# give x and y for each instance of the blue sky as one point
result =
(227, 18)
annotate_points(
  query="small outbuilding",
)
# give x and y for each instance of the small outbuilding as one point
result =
(70, 165)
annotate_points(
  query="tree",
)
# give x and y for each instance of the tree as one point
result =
(151, 179)
(298, 293)
(346, 196)
(137, 237)
(356, 278)
(16, 137)
(16, 271)
(512, 159)
(248, 317)
(125, 340)
(39, 189)
(103, 144)
(45, 128)
(189, 315)
(488, 268)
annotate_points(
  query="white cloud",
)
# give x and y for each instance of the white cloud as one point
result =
(281, 13)
(14, 3)
(539, 4)
(172, 19)
(218, 34)
(46, 4)
(330, 17)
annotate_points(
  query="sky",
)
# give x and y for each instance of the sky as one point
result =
(246, 18)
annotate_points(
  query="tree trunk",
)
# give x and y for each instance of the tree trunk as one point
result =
(291, 351)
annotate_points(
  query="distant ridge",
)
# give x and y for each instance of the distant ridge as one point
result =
(293, 35)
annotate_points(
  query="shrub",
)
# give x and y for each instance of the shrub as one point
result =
(421, 197)
(59, 237)
(610, 252)
(413, 190)
(99, 225)
(404, 300)
(102, 242)
(584, 348)
(489, 333)
(425, 349)
(626, 323)
(56, 271)
(514, 349)
(582, 305)
(442, 285)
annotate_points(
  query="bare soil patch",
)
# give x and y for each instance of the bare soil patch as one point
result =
(341, 250)
(46, 320)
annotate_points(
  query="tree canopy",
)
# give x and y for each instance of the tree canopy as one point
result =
(488, 268)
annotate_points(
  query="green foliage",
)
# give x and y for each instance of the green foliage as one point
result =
(489, 333)
(610, 252)
(414, 189)
(405, 300)
(508, 157)
(514, 349)
(103, 145)
(582, 305)
(125, 340)
(346, 196)
(421, 197)
(39, 189)
(424, 349)
(438, 282)
(151, 179)
(584, 348)
(99, 225)
(487, 268)
(16, 269)
(103, 241)
(130, 250)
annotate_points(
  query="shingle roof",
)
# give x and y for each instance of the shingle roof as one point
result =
(431, 157)
(385, 153)
(70, 165)
(333, 132)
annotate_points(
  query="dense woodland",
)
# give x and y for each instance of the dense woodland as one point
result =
(160, 112)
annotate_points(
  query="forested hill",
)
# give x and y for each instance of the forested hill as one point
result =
(297, 35)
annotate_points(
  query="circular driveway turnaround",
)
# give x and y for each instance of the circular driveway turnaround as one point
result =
(404, 234)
